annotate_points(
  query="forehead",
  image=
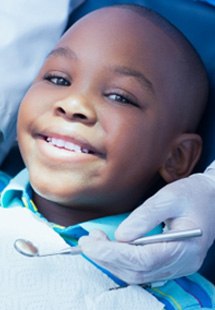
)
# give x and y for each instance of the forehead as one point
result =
(122, 37)
(121, 29)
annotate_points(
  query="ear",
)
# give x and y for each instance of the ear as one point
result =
(182, 157)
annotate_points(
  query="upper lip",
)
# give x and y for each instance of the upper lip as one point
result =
(72, 142)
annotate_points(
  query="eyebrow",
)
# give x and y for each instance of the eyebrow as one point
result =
(63, 51)
(123, 70)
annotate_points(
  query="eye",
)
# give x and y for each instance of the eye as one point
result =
(57, 79)
(124, 99)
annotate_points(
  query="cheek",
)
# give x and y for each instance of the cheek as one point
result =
(134, 143)
(30, 110)
(22, 125)
(124, 144)
(23, 117)
(33, 106)
(37, 97)
(24, 113)
(129, 134)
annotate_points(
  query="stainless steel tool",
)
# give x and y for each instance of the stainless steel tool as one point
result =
(27, 248)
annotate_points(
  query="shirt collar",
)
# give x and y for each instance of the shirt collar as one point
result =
(19, 189)
(15, 188)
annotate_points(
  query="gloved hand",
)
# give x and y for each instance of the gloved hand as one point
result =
(184, 204)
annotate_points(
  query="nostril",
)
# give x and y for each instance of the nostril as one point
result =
(71, 114)
(61, 110)
(79, 116)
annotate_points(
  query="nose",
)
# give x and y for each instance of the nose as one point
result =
(76, 109)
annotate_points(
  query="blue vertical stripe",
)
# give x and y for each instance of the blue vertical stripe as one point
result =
(165, 301)
(196, 291)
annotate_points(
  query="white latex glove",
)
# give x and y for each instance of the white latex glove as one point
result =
(184, 204)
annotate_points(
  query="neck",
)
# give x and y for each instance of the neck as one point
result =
(65, 215)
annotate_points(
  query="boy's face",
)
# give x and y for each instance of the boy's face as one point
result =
(93, 128)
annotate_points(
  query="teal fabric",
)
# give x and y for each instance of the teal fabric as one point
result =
(19, 189)
(196, 19)
(4, 180)
(193, 292)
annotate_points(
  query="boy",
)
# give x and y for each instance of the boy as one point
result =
(111, 112)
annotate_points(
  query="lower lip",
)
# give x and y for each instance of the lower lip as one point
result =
(59, 155)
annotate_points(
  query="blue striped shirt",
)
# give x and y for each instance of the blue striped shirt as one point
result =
(191, 292)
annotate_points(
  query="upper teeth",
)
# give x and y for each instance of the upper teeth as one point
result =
(67, 145)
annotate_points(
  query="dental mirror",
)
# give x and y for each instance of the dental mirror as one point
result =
(27, 248)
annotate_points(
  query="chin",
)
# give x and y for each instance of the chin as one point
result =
(46, 190)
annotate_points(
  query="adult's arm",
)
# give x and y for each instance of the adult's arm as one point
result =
(184, 204)
(29, 30)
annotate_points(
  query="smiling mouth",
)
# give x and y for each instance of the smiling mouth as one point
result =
(69, 146)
